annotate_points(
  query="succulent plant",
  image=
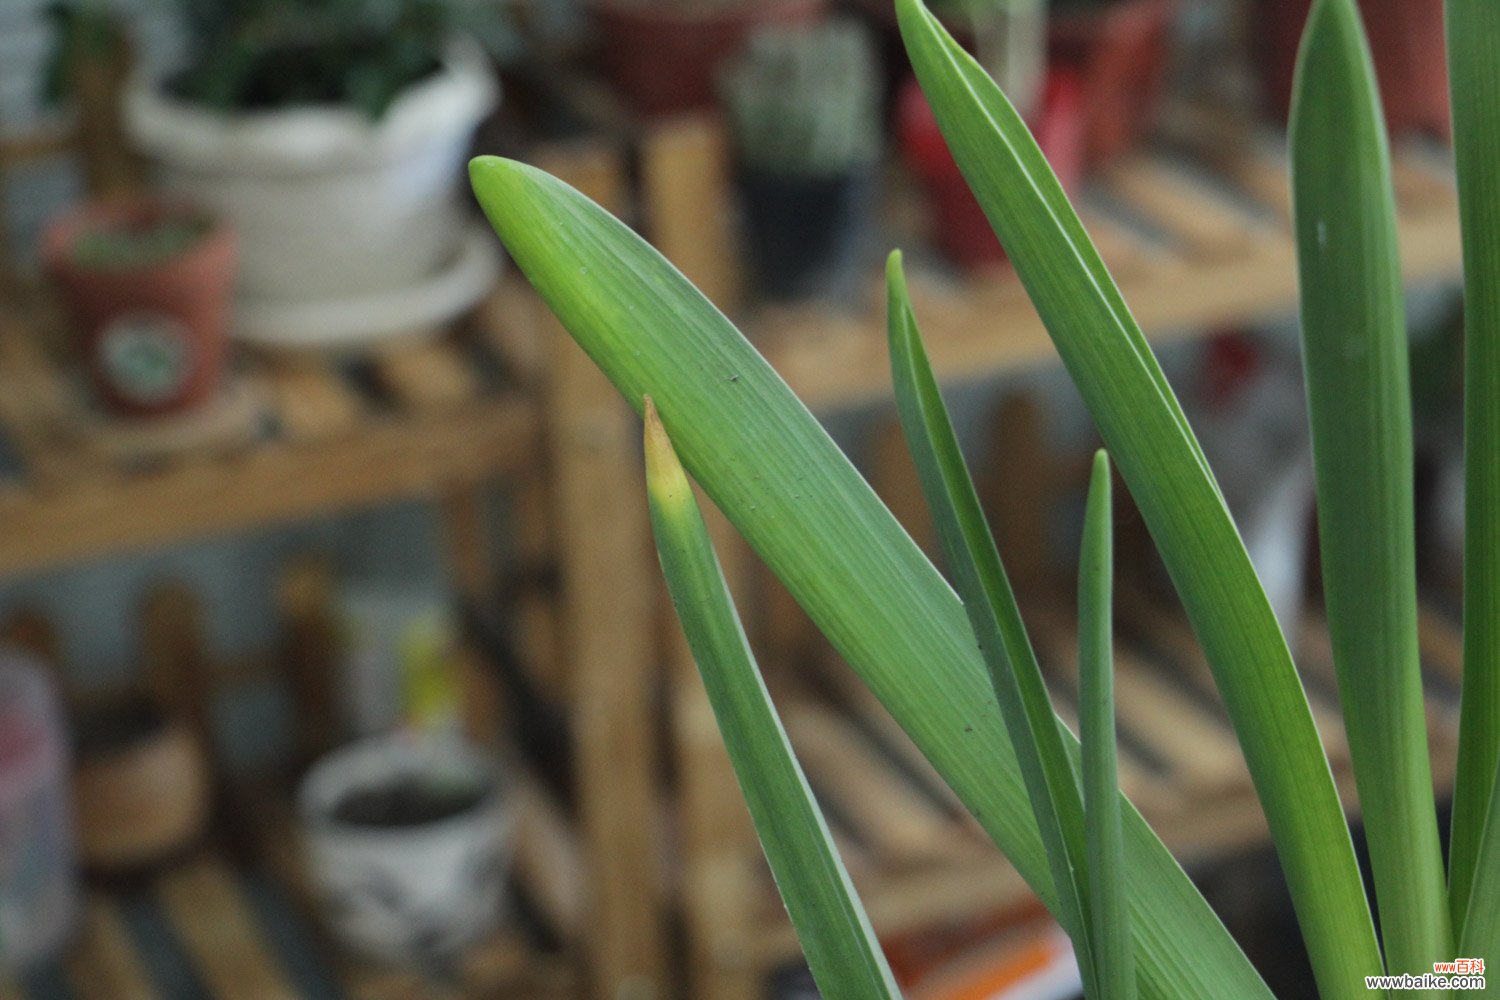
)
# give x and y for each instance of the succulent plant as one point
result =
(805, 102)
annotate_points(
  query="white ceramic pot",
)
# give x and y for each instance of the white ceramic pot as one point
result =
(326, 202)
(407, 893)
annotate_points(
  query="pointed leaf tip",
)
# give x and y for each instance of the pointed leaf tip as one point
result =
(664, 475)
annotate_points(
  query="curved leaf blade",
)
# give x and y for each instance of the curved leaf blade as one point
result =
(1144, 429)
(841, 949)
(784, 484)
(1474, 72)
(1015, 675)
(1114, 954)
(1359, 402)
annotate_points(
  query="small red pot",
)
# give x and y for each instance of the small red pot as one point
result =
(960, 227)
(1118, 53)
(664, 56)
(154, 336)
(1408, 46)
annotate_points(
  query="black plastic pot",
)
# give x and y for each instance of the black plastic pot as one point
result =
(804, 233)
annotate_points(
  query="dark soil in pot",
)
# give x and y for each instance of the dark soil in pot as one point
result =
(804, 234)
(412, 801)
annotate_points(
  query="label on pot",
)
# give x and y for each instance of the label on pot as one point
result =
(145, 357)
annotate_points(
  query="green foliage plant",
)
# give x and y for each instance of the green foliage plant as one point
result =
(805, 101)
(953, 664)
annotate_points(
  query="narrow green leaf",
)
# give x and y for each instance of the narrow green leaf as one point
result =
(994, 617)
(1474, 71)
(1114, 954)
(1143, 426)
(781, 480)
(1481, 933)
(841, 949)
(1359, 402)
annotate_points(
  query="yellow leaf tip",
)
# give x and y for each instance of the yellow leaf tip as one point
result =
(664, 474)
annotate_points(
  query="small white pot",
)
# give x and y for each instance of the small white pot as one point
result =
(415, 893)
(327, 203)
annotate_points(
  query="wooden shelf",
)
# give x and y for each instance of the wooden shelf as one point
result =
(918, 859)
(209, 927)
(414, 420)
(1197, 236)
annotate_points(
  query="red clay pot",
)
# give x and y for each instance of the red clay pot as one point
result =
(1406, 41)
(176, 309)
(1118, 52)
(960, 228)
(664, 56)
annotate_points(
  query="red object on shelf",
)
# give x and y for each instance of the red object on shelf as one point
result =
(166, 320)
(1408, 46)
(1118, 53)
(664, 57)
(959, 225)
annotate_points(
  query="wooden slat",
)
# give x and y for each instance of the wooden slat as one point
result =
(214, 924)
(1169, 633)
(1124, 250)
(687, 199)
(890, 815)
(549, 860)
(310, 400)
(894, 478)
(506, 320)
(1197, 748)
(1442, 644)
(386, 461)
(605, 554)
(104, 962)
(35, 405)
(1205, 222)
(427, 376)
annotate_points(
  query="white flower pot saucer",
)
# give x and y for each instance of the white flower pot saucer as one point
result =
(356, 323)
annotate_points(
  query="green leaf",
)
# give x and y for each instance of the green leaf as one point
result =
(1359, 401)
(1114, 955)
(1473, 40)
(1143, 426)
(1035, 732)
(1481, 933)
(781, 480)
(841, 949)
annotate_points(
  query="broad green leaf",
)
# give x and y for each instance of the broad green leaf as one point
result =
(784, 484)
(1114, 955)
(841, 949)
(1359, 402)
(1148, 437)
(1474, 70)
(1035, 733)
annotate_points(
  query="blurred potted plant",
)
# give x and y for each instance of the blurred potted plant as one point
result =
(1406, 41)
(1117, 50)
(664, 56)
(408, 842)
(330, 133)
(804, 110)
(148, 284)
